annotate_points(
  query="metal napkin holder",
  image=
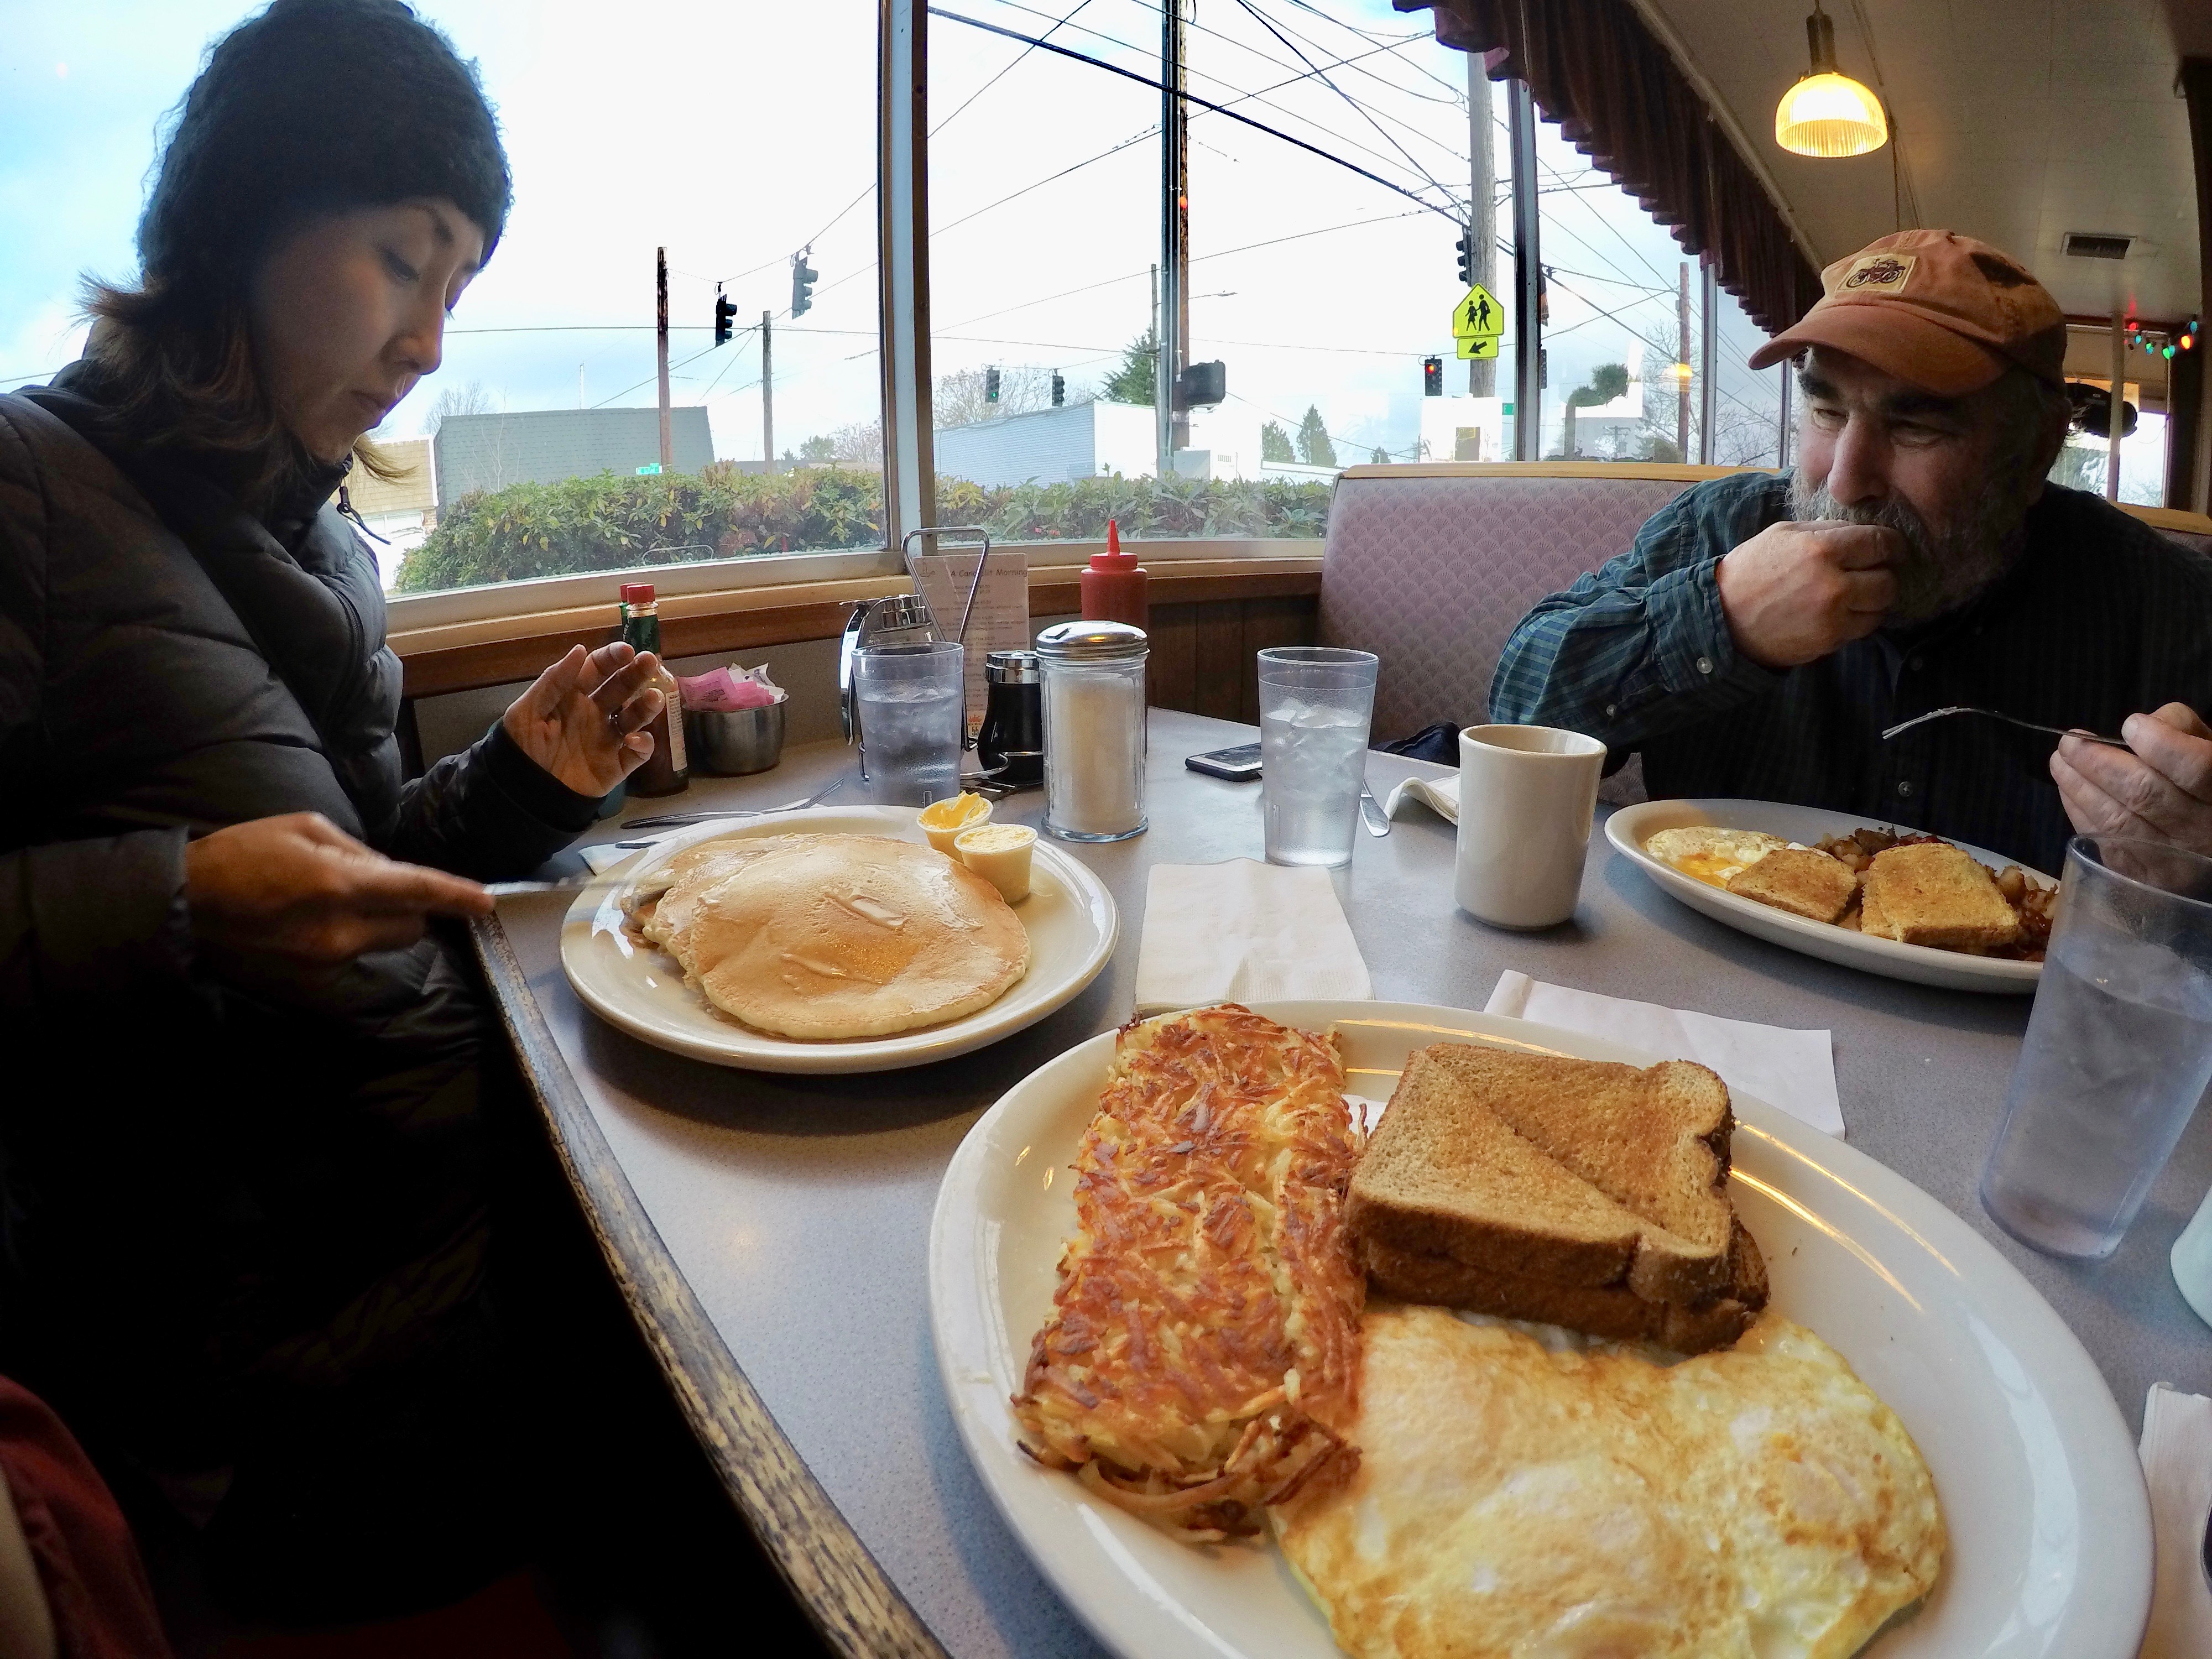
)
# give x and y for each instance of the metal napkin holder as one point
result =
(901, 619)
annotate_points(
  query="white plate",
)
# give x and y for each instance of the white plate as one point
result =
(1069, 916)
(1631, 826)
(2050, 1523)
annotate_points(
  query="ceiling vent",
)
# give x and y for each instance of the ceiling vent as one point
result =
(2083, 245)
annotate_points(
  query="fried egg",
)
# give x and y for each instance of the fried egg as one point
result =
(1709, 854)
(1514, 1498)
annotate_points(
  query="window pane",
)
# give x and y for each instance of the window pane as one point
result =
(1318, 290)
(625, 133)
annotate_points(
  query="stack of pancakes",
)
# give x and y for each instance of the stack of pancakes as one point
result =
(831, 937)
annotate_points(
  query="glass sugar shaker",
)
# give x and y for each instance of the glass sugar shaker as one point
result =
(1011, 746)
(1094, 730)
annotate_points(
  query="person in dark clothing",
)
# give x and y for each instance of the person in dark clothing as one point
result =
(249, 1140)
(1764, 631)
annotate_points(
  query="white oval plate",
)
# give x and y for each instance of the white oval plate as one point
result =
(2050, 1522)
(1631, 826)
(1069, 916)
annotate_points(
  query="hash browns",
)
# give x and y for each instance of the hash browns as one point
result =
(1202, 1357)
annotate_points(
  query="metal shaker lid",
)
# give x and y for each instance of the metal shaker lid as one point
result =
(1092, 641)
(1011, 668)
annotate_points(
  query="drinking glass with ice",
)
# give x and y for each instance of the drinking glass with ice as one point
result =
(1315, 702)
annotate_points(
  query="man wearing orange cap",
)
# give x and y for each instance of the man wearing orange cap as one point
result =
(1763, 630)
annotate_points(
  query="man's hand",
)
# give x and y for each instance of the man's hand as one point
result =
(275, 901)
(1795, 592)
(2161, 791)
(584, 720)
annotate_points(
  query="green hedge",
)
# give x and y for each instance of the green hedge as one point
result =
(612, 522)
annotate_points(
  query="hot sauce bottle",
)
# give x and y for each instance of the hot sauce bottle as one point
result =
(666, 771)
(1113, 585)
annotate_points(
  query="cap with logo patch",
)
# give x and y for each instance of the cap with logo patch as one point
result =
(1941, 311)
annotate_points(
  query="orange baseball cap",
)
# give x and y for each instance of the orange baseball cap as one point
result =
(1939, 310)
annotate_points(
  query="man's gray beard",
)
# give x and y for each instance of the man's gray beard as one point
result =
(1943, 569)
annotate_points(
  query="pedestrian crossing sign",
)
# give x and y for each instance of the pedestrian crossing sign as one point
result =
(1478, 317)
(1477, 345)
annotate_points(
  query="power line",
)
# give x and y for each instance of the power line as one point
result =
(1004, 73)
(1193, 97)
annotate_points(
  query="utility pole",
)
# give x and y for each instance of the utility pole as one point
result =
(1709, 328)
(1528, 277)
(1173, 426)
(1682, 369)
(1782, 431)
(768, 399)
(1481, 371)
(660, 284)
(2112, 429)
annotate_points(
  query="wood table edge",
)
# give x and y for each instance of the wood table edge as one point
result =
(844, 1590)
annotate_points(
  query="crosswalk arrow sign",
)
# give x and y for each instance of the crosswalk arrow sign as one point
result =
(1473, 346)
(1479, 316)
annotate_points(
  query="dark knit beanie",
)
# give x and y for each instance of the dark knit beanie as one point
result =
(315, 106)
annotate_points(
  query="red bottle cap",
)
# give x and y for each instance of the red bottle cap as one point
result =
(637, 593)
(1113, 558)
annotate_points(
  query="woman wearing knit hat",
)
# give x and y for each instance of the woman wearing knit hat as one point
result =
(249, 1218)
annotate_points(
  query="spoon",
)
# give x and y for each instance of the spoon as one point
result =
(2009, 719)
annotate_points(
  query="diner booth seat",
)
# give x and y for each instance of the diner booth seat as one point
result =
(1431, 565)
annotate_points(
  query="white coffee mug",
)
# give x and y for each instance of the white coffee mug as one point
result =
(2192, 1261)
(1527, 794)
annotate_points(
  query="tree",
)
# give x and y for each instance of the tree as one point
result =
(818, 448)
(958, 399)
(1313, 447)
(470, 399)
(1275, 444)
(863, 440)
(1135, 381)
(1381, 457)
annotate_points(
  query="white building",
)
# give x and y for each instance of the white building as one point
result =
(1098, 439)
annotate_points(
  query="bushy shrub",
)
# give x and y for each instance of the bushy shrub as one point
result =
(614, 522)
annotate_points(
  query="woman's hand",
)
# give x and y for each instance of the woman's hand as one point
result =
(585, 719)
(275, 901)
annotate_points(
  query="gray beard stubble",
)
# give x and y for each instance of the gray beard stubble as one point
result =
(1943, 568)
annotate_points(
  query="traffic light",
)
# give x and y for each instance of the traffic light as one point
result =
(802, 284)
(1059, 390)
(1432, 377)
(1466, 257)
(1202, 385)
(725, 313)
(990, 385)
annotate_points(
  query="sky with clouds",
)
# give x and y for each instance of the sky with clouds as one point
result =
(735, 134)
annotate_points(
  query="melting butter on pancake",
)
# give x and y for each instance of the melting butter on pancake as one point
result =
(838, 937)
(1759, 1503)
(666, 903)
(1709, 854)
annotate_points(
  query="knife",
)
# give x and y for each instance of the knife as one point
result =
(500, 889)
(1371, 813)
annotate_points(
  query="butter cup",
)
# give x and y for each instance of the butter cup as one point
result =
(943, 836)
(1000, 854)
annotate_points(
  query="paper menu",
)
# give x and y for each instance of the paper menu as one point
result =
(1000, 619)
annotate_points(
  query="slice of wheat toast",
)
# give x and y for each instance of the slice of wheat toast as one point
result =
(1654, 1140)
(1934, 894)
(1799, 880)
(1600, 1310)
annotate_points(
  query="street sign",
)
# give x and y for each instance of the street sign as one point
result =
(1477, 316)
(1473, 346)
(651, 471)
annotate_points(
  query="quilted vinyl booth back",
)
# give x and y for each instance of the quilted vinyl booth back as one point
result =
(1429, 567)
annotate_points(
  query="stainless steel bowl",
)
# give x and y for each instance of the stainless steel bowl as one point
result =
(732, 742)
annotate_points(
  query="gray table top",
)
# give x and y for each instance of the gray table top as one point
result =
(798, 1208)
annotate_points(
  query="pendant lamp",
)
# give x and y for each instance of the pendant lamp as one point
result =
(1827, 113)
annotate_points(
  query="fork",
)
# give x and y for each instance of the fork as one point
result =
(677, 820)
(2009, 719)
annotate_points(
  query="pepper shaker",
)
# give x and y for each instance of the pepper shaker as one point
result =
(1010, 748)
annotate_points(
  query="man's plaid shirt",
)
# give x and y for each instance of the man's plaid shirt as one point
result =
(2100, 618)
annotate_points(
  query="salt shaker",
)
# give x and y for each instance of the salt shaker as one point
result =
(1094, 730)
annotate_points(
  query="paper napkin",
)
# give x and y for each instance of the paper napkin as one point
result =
(2176, 1459)
(1440, 795)
(1244, 932)
(604, 857)
(1794, 1070)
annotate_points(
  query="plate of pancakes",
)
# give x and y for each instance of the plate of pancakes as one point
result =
(831, 940)
(1745, 827)
(1906, 1452)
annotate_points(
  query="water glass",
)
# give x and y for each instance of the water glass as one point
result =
(1315, 702)
(2118, 1048)
(912, 702)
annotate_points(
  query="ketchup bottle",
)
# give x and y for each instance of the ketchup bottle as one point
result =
(1114, 585)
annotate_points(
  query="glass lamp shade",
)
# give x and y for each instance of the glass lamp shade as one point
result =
(1830, 115)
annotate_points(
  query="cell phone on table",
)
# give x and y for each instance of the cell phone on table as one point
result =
(1238, 765)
